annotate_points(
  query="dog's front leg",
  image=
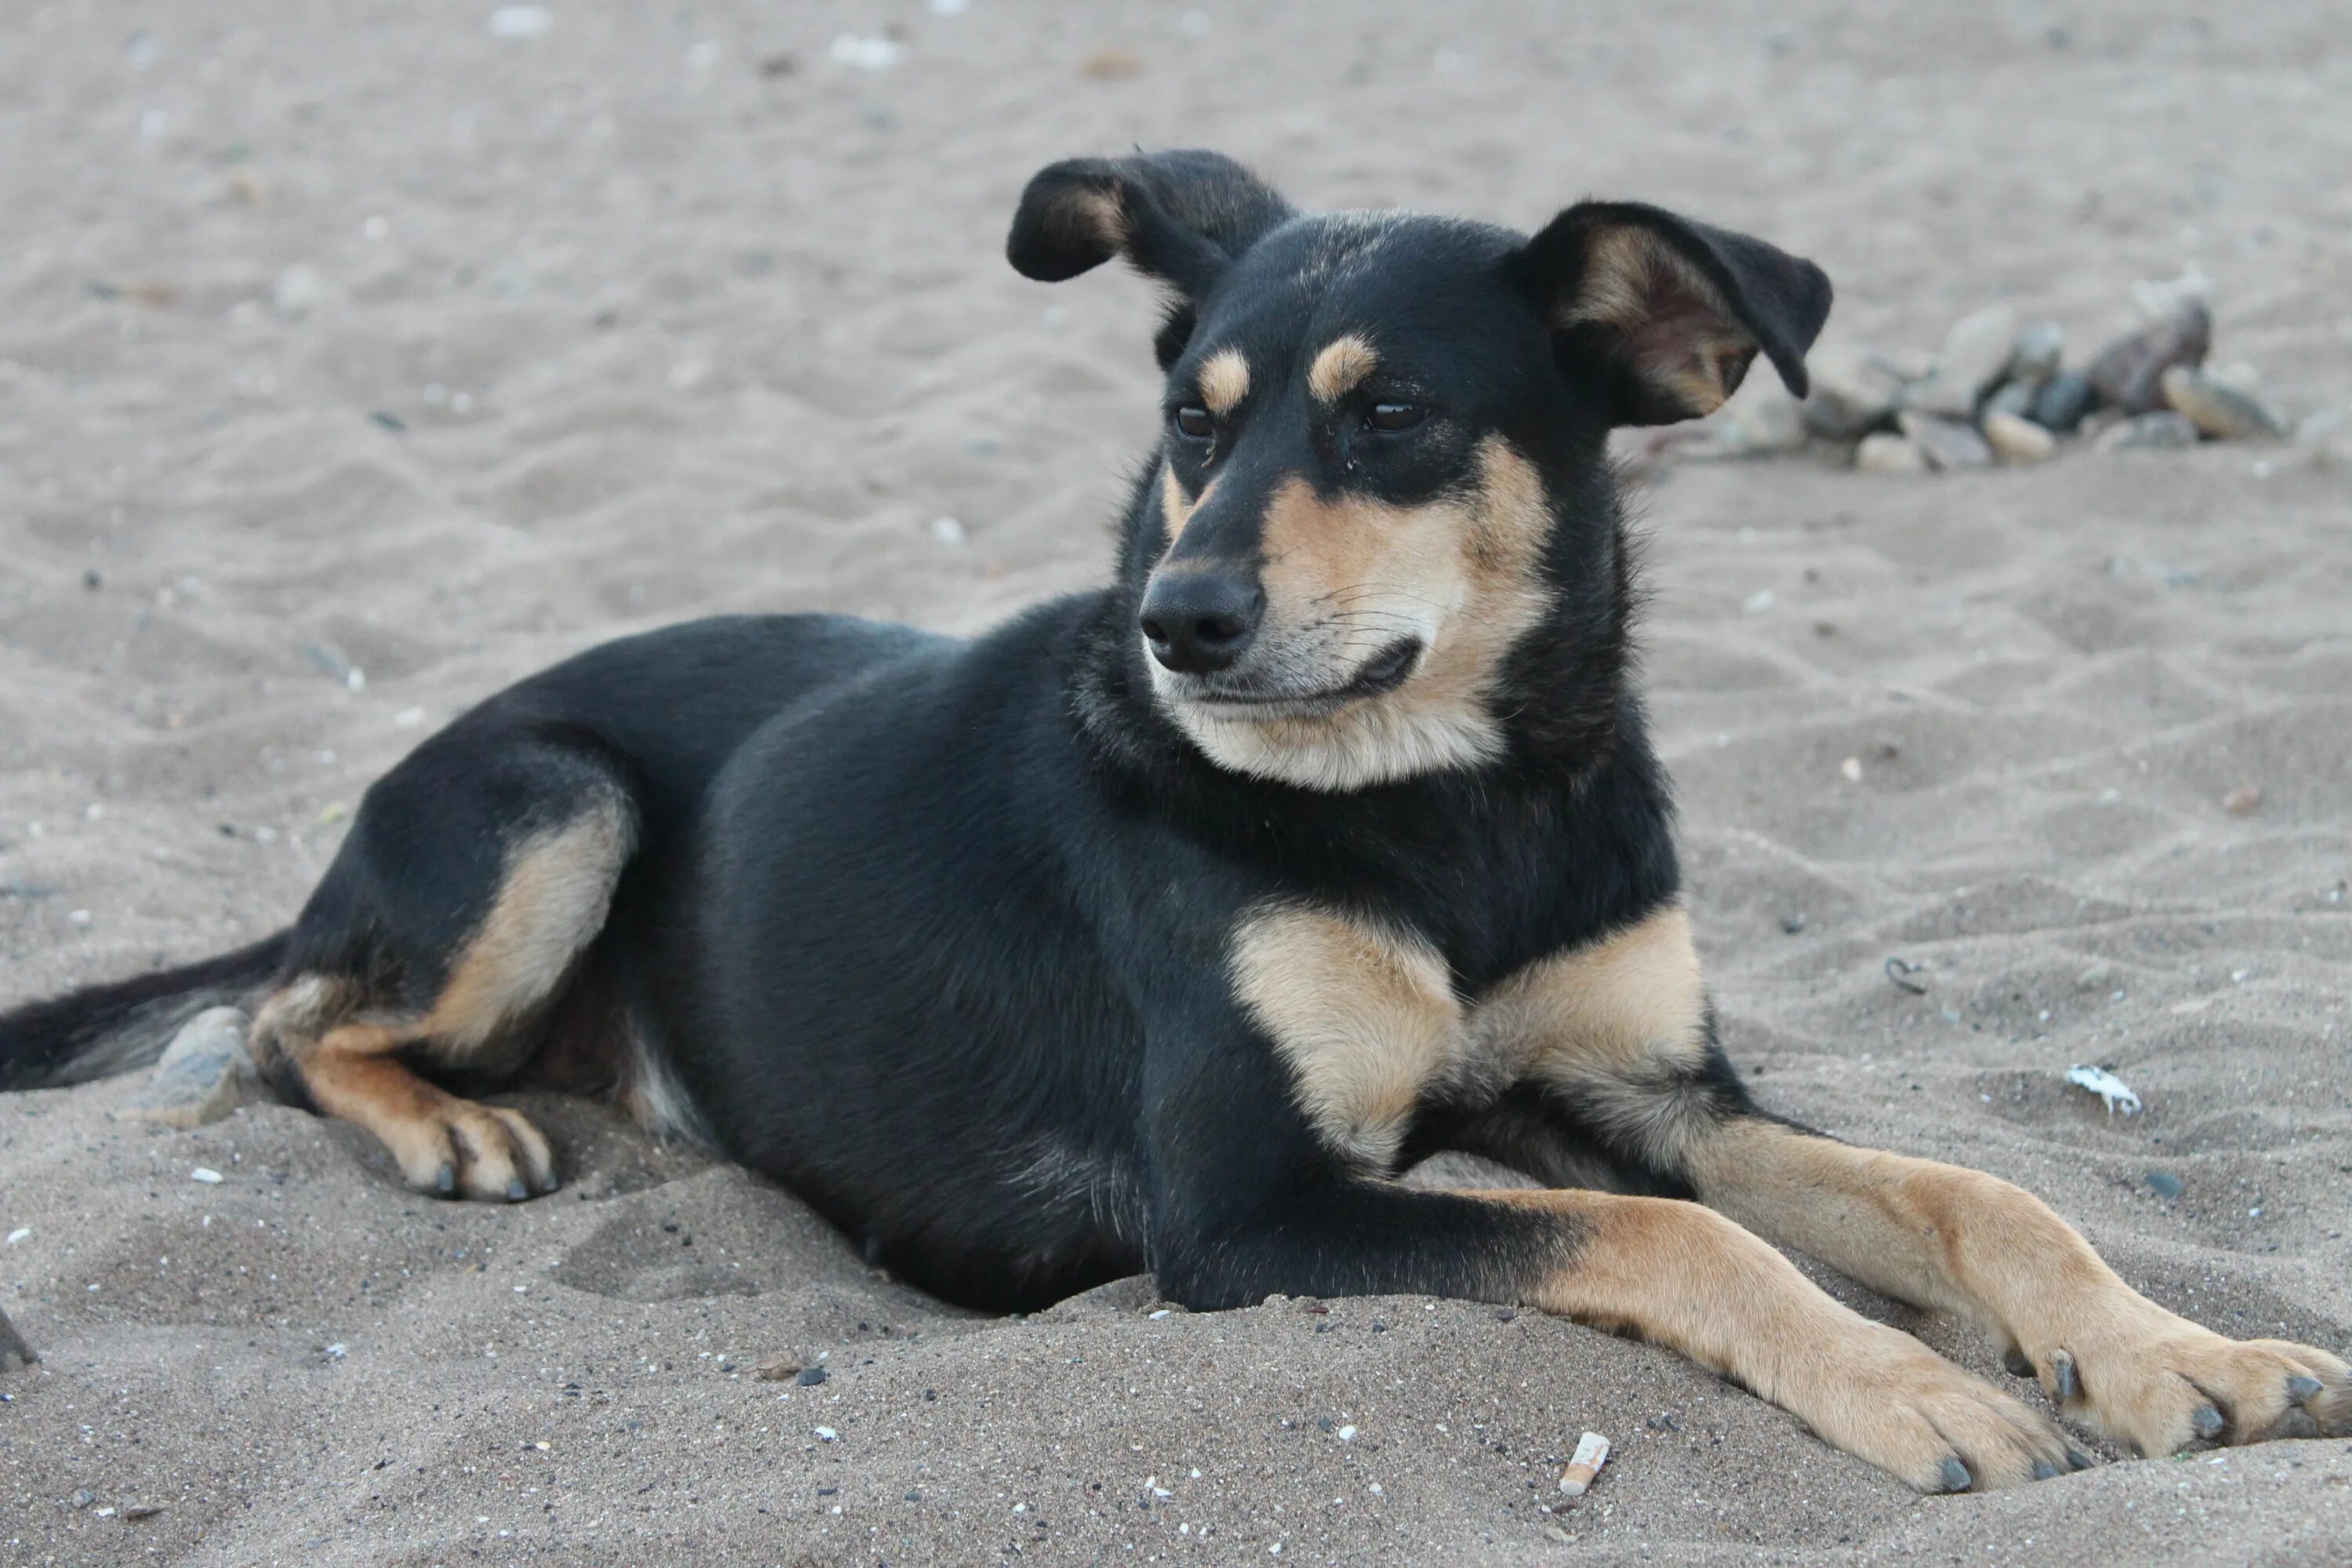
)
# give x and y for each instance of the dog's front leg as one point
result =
(1672, 1272)
(1621, 1051)
(1973, 1244)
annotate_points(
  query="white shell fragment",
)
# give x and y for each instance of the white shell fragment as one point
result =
(2118, 1094)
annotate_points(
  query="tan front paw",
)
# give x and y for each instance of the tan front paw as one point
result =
(2166, 1382)
(1887, 1398)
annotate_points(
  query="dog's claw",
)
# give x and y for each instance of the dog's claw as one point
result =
(2015, 1361)
(2300, 1388)
(2043, 1469)
(2206, 1421)
(516, 1191)
(2077, 1460)
(2062, 1374)
(1956, 1476)
(445, 1180)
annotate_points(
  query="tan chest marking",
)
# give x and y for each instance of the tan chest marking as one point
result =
(1367, 1021)
(1364, 1018)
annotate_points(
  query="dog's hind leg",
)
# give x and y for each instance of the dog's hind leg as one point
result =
(475, 880)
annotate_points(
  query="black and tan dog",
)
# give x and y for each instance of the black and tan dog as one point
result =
(1162, 927)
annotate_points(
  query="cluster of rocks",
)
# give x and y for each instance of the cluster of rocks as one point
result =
(2002, 392)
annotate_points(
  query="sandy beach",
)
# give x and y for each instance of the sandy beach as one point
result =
(356, 360)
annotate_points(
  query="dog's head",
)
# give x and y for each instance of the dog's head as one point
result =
(1384, 471)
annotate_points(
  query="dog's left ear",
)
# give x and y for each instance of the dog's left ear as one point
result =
(1668, 313)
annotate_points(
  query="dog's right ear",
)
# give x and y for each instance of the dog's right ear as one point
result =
(1181, 217)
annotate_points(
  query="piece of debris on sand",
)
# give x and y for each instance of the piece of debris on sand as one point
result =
(2118, 1094)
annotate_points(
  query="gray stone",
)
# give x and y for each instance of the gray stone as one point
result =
(1977, 353)
(2130, 371)
(2039, 350)
(201, 1076)
(1945, 443)
(15, 1353)
(2013, 397)
(1886, 453)
(2222, 411)
(2150, 432)
(2061, 401)
(1853, 393)
(2015, 439)
(2165, 1185)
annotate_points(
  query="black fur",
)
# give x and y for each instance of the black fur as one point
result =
(936, 932)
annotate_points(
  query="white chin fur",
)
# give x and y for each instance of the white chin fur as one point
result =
(1373, 741)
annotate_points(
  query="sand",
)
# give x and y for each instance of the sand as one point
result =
(354, 362)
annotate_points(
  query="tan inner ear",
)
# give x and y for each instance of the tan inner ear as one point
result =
(1680, 336)
(1096, 212)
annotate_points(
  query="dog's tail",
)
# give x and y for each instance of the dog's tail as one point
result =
(101, 1030)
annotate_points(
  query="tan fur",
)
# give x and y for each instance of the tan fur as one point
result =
(549, 905)
(1691, 1281)
(1098, 214)
(438, 1141)
(1339, 366)
(1971, 1244)
(1176, 509)
(1224, 381)
(1364, 1018)
(1610, 1024)
(1631, 276)
(1343, 579)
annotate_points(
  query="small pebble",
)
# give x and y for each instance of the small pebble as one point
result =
(141, 1509)
(2013, 397)
(205, 1174)
(520, 21)
(1889, 454)
(810, 1376)
(83, 1497)
(2165, 1184)
(2222, 411)
(2167, 431)
(1853, 393)
(2130, 371)
(1111, 64)
(2040, 349)
(2062, 401)
(200, 1077)
(1976, 354)
(2016, 439)
(1947, 444)
(2242, 800)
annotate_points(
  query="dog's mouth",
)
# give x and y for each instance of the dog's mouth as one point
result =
(1376, 677)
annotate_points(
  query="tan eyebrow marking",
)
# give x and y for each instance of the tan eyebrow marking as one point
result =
(1224, 381)
(1175, 511)
(1341, 364)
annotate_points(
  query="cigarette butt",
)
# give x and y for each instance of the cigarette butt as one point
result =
(1591, 1453)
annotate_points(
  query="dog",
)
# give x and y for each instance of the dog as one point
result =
(1162, 927)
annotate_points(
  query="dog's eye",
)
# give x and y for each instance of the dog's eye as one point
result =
(1391, 417)
(1192, 423)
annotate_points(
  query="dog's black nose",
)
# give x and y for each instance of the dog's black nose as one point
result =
(1198, 622)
